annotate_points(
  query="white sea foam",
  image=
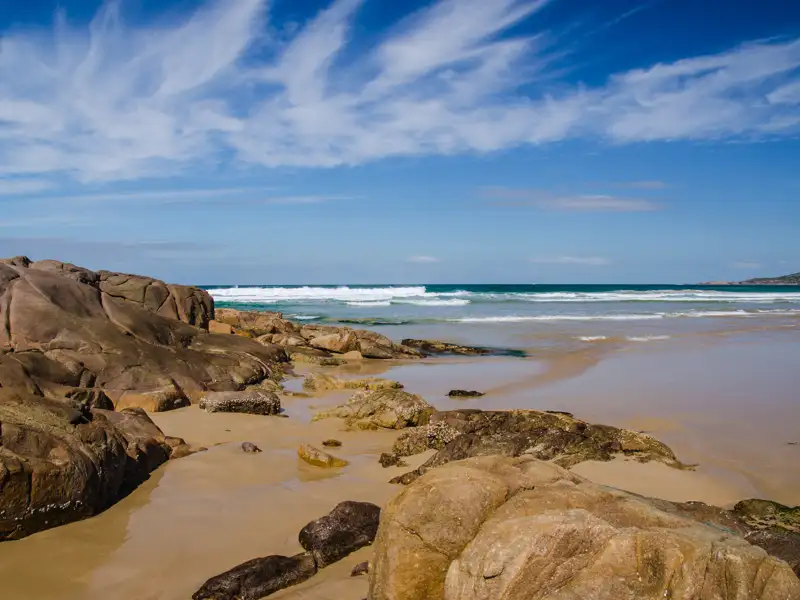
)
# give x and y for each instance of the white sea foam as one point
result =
(370, 303)
(521, 318)
(306, 293)
(303, 317)
(647, 338)
(593, 338)
(659, 296)
(450, 302)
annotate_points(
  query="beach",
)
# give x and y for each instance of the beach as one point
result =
(720, 391)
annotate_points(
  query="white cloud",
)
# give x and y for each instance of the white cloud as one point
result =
(11, 187)
(120, 101)
(192, 196)
(746, 264)
(511, 197)
(423, 259)
(596, 261)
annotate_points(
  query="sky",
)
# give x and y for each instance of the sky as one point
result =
(368, 141)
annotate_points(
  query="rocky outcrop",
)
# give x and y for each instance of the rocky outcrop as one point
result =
(417, 440)
(553, 436)
(66, 329)
(61, 462)
(381, 409)
(320, 382)
(252, 401)
(348, 527)
(517, 528)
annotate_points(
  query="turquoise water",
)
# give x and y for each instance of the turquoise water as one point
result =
(502, 312)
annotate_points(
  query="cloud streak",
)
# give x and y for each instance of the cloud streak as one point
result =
(420, 259)
(116, 101)
(594, 261)
(509, 197)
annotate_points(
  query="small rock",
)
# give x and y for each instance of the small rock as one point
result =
(361, 568)
(255, 401)
(258, 578)
(331, 443)
(250, 447)
(391, 460)
(464, 394)
(317, 458)
(348, 527)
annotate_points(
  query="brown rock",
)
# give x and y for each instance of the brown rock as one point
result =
(518, 528)
(250, 448)
(340, 342)
(361, 568)
(321, 382)
(317, 458)
(382, 409)
(332, 443)
(253, 401)
(217, 327)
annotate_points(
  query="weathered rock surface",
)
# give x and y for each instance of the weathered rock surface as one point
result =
(253, 401)
(361, 568)
(554, 436)
(433, 347)
(381, 409)
(318, 458)
(68, 329)
(493, 528)
(250, 448)
(61, 462)
(320, 382)
(258, 578)
(387, 460)
(332, 443)
(348, 527)
(416, 440)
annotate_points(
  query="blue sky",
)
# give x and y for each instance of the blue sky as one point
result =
(364, 141)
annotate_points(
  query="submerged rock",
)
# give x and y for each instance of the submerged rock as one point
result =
(390, 460)
(518, 528)
(317, 458)
(250, 447)
(348, 527)
(258, 578)
(361, 568)
(253, 401)
(558, 437)
(381, 409)
(331, 443)
(321, 382)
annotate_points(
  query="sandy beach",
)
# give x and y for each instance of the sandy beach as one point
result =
(203, 514)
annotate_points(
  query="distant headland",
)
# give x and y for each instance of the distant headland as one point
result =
(793, 279)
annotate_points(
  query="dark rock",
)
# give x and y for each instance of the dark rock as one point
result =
(332, 443)
(361, 568)
(253, 401)
(391, 460)
(348, 527)
(416, 440)
(250, 447)
(436, 347)
(464, 394)
(258, 578)
(544, 435)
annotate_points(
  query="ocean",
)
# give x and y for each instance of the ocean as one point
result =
(505, 313)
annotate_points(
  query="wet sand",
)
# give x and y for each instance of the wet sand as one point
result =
(201, 515)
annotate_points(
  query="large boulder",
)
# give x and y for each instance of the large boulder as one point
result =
(494, 528)
(348, 527)
(339, 342)
(252, 401)
(555, 436)
(69, 328)
(381, 409)
(61, 462)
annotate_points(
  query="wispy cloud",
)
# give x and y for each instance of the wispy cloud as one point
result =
(499, 196)
(193, 196)
(120, 101)
(14, 187)
(423, 259)
(643, 185)
(746, 264)
(595, 261)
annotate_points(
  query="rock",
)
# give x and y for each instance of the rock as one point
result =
(322, 361)
(427, 437)
(385, 409)
(250, 447)
(332, 443)
(340, 342)
(517, 528)
(361, 568)
(154, 400)
(256, 323)
(217, 327)
(320, 382)
(61, 462)
(180, 449)
(429, 347)
(353, 355)
(390, 460)
(317, 458)
(254, 402)
(258, 578)
(287, 340)
(464, 394)
(544, 435)
(348, 527)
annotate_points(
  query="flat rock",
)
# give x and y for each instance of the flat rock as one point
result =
(331, 443)
(253, 401)
(464, 394)
(416, 440)
(382, 409)
(518, 528)
(319, 458)
(321, 382)
(348, 527)
(258, 578)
